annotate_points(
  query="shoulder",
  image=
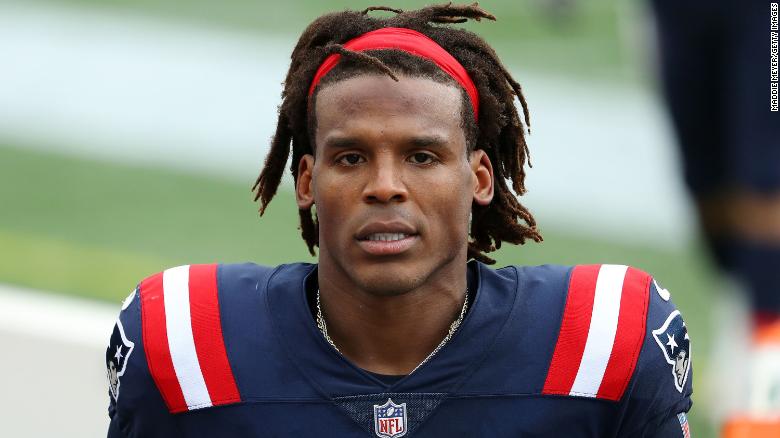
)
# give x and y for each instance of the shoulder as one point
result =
(592, 339)
(613, 332)
(131, 389)
(598, 329)
(663, 381)
(201, 282)
(182, 333)
(170, 348)
(621, 339)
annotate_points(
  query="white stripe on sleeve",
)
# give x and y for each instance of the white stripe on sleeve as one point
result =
(601, 334)
(180, 341)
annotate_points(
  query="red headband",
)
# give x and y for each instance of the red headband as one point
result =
(409, 41)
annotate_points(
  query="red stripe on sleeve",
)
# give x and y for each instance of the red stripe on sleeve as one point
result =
(207, 333)
(629, 336)
(155, 339)
(574, 330)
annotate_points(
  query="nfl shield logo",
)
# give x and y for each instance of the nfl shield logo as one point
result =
(390, 420)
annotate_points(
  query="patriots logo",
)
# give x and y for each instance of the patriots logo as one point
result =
(673, 339)
(390, 420)
(118, 353)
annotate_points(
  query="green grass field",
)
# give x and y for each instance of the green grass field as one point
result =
(95, 229)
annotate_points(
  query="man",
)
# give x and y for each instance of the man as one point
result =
(404, 134)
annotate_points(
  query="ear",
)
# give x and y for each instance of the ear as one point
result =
(482, 171)
(304, 194)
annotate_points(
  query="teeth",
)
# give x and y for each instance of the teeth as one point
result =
(387, 237)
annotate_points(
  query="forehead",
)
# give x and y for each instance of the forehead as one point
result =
(379, 102)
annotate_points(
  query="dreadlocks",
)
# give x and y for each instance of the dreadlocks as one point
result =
(499, 131)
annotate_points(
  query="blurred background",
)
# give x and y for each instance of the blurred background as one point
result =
(131, 132)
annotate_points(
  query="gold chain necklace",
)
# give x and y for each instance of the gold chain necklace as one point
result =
(453, 328)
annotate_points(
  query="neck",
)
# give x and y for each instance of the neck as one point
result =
(392, 334)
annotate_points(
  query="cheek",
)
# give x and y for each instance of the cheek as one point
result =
(450, 200)
(334, 197)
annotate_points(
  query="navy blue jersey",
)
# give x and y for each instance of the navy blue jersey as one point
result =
(234, 350)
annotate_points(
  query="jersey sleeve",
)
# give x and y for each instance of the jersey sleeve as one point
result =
(136, 408)
(660, 392)
(671, 426)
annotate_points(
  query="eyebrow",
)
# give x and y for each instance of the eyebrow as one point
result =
(343, 142)
(427, 141)
(423, 141)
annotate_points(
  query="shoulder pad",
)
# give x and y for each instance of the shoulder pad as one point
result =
(602, 332)
(182, 338)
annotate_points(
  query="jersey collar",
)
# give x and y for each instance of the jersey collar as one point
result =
(335, 376)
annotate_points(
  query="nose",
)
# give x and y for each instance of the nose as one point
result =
(385, 183)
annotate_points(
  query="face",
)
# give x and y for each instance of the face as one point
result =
(680, 366)
(392, 182)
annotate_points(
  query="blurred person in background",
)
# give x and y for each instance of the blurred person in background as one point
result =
(715, 68)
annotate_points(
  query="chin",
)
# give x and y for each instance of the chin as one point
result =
(388, 280)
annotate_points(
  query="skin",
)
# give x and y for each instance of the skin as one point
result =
(743, 214)
(388, 155)
(680, 366)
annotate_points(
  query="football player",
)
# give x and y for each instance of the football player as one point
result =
(406, 148)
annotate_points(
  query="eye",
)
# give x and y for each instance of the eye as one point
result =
(350, 159)
(422, 158)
